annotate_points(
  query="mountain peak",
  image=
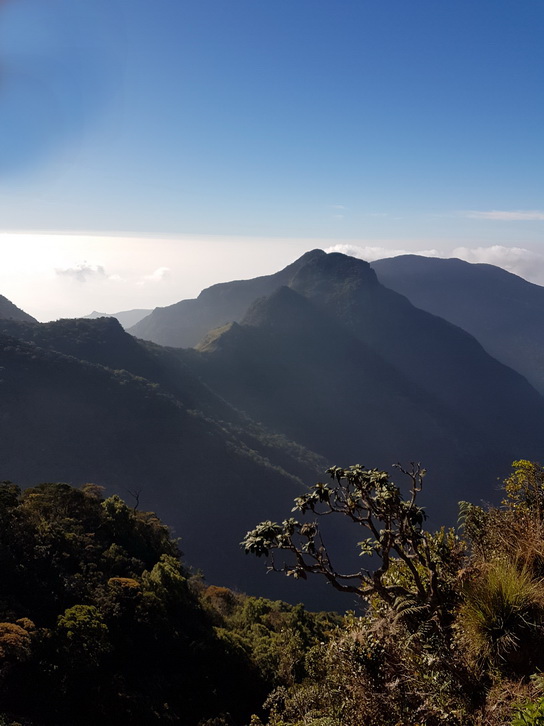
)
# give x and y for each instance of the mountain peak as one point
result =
(315, 254)
(267, 283)
(185, 323)
(329, 275)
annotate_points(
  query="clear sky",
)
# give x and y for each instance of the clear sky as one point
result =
(149, 148)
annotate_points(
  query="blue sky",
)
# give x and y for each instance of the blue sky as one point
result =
(269, 127)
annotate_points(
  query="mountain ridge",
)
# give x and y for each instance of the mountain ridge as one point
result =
(335, 344)
(330, 368)
(185, 323)
(68, 419)
(10, 311)
(127, 318)
(502, 310)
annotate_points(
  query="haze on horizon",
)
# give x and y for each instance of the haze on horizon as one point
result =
(157, 148)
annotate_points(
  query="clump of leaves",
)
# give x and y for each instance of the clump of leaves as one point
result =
(502, 616)
(524, 488)
(394, 525)
(530, 714)
(451, 633)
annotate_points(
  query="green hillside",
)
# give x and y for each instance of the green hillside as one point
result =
(64, 418)
(100, 623)
(352, 370)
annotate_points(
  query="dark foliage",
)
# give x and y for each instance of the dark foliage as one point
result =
(453, 632)
(84, 401)
(98, 623)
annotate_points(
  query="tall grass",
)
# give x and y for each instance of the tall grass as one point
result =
(500, 623)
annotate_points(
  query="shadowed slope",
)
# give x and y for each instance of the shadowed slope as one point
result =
(503, 311)
(184, 324)
(355, 372)
(67, 419)
(436, 355)
(9, 311)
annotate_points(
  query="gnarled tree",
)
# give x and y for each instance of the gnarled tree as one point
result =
(412, 566)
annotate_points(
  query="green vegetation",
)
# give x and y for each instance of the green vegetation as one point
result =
(453, 629)
(92, 404)
(101, 624)
(531, 714)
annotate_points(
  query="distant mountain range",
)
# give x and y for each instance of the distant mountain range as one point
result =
(503, 311)
(353, 371)
(84, 401)
(185, 323)
(127, 318)
(278, 377)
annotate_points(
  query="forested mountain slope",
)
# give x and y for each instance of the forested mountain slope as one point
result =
(97, 621)
(67, 419)
(101, 623)
(334, 367)
(103, 342)
(355, 372)
(184, 324)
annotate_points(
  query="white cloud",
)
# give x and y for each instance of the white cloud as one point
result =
(82, 272)
(38, 268)
(504, 216)
(157, 275)
(520, 261)
(132, 276)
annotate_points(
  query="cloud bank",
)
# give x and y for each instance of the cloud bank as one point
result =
(520, 261)
(158, 275)
(82, 272)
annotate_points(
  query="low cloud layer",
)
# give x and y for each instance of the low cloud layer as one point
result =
(82, 272)
(158, 275)
(520, 261)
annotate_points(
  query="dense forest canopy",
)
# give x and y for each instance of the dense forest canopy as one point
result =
(101, 623)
